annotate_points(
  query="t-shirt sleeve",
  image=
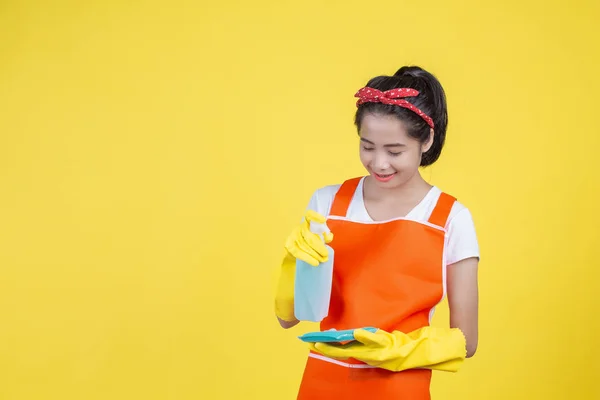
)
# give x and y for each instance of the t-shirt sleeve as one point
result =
(322, 199)
(462, 238)
(313, 203)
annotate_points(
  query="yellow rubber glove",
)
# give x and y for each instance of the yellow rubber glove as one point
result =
(433, 348)
(304, 245)
(284, 298)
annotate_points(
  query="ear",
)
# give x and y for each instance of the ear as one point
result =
(427, 145)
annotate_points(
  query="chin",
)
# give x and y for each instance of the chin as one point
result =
(391, 185)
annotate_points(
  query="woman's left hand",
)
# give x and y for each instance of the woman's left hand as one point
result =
(429, 347)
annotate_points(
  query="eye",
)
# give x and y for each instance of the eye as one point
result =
(395, 154)
(368, 148)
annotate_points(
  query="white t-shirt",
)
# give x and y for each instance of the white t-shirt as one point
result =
(461, 239)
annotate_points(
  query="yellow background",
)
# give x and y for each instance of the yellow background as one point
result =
(154, 155)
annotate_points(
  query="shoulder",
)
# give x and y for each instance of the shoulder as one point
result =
(462, 236)
(458, 212)
(322, 198)
(328, 191)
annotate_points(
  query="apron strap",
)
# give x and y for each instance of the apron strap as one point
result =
(441, 212)
(343, 197)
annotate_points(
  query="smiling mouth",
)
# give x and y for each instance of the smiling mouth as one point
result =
(384, 177)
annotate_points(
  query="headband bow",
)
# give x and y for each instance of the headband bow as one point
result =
(393, 96)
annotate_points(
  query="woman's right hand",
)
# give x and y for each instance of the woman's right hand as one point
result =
(306, 245)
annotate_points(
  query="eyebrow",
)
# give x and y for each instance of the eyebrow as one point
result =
(385, 145)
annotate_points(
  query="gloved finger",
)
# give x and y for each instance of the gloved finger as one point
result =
(303, 255)
(300, 251)
(298, 241)
(333, 351)
(378, 338)
(314, 216)
(310, 241)
(321, 348)
(313, 240)
(303, 247)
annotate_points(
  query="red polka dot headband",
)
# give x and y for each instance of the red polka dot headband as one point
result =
(393, 96)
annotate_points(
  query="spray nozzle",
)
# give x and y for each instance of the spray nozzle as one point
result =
(319, 229)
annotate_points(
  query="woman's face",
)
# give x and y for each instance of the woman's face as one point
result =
(388, 153)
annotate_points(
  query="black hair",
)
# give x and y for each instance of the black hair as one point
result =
(431, 100)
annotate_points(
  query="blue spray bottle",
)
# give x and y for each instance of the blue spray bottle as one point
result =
(312, 286)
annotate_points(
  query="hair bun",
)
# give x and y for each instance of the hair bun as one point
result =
(412, 71)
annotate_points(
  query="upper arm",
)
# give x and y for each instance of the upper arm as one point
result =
(463, 300)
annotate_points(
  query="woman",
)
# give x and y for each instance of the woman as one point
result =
(400, 246)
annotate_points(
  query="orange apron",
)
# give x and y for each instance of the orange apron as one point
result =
(389, 275)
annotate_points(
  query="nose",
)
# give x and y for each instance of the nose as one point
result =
(380, 163)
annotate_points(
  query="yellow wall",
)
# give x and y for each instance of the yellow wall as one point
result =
(154, 155)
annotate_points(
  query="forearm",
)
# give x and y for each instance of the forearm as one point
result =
(465, 318)
(463, 300)
(441, 349)
(434, 348)
(471, 341)
(284, 297)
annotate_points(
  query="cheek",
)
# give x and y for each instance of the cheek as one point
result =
(365, 157)
(408, 161)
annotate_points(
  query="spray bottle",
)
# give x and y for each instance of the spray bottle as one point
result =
(312, 286)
